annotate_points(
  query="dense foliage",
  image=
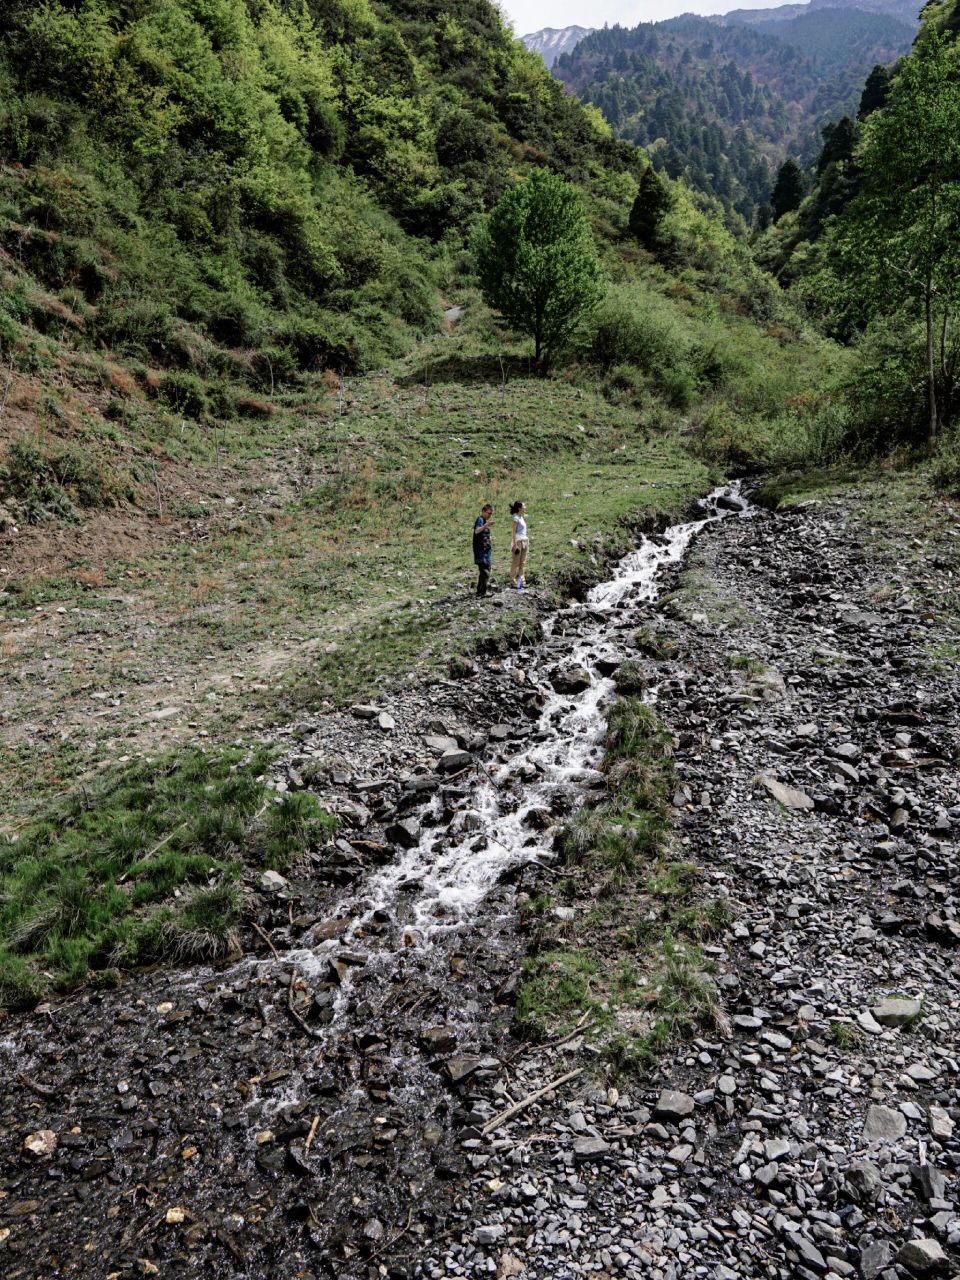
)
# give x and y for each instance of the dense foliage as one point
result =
(272, 177)
(873, 249)
(721, 106)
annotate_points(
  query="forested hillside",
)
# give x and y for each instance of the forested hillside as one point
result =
(722, 106)
(872, 249)
(270, 177)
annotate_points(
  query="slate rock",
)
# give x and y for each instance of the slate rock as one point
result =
(789, 797)
(883, 1124)
(587, 1148)
(672, 1105)
(923, 1257)
(896, 1012)
(864, 1182)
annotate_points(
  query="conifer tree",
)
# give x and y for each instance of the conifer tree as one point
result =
(652, 204)
(787, 190)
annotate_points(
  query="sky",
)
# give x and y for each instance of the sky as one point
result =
(531, 15)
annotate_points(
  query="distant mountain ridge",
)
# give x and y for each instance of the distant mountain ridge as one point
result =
(551, 42)
(906, 11)
(722, 102)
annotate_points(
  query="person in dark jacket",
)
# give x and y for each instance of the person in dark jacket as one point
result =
(483, 547)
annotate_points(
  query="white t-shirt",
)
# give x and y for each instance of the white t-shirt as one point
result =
(520, 526)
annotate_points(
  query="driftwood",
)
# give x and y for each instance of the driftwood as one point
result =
(517, 1107)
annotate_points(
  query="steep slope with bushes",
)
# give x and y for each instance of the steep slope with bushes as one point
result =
(872, 251)
(260, 188)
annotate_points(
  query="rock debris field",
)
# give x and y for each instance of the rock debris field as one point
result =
(342, 1101)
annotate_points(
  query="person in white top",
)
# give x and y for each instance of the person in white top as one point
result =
(519, 546)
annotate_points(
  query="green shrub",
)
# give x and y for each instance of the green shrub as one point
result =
(50, 482)
(945, 472)
(186, 393)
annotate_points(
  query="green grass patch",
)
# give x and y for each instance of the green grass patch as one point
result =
(748, 663)
(630, 965)
(145, 865)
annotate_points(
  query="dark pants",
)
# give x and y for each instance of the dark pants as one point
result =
(484, 571)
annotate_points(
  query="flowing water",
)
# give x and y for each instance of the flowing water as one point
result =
(431, 943)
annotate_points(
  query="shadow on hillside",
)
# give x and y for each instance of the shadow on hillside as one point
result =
(457, 368)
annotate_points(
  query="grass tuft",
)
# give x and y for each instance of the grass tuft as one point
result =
(96, 880)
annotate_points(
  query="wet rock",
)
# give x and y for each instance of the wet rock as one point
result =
(461, 1067)
(571, 679)
(439, 1039)
(405, 833)
(40, 1145)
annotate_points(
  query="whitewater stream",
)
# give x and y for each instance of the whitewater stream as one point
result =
(322, 1091)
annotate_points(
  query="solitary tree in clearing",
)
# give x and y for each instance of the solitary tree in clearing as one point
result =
(537, 261)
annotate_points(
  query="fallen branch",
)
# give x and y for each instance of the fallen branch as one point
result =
(312, 1134)
(266, 937)
(517, 1107)
(41, 1090)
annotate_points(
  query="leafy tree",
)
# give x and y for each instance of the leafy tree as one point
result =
(537, 261)
(651, 205)
(787, 190)
(903, 226)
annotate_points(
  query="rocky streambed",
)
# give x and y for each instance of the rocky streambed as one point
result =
(339, 1102)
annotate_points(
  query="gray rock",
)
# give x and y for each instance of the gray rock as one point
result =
(933, 1184)
(789, 797)
(489, 1234)
(923, 1257)
(883, 1124)
(864, 1182)
(587, 1148)
(896, 1012)
(941, 1126)
(810, 1256)
(453, 761)
(674, 1106)
(874, 1257)
(273, 882)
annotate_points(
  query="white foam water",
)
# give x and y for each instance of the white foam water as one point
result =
(450, 877)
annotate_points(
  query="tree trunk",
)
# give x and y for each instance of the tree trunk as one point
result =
(931, 366)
